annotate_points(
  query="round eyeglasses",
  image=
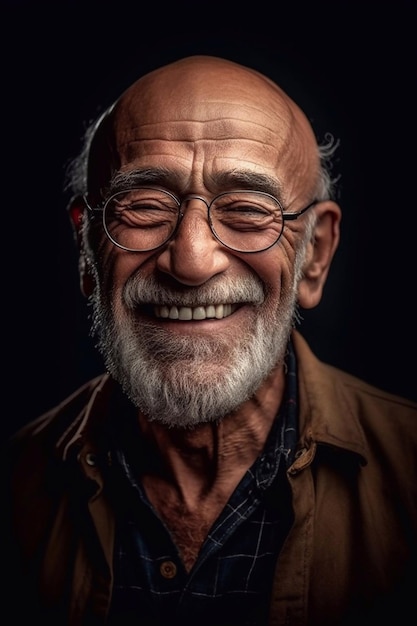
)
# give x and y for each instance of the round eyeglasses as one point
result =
(145, 218)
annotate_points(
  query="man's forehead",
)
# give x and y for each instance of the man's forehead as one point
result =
(196, 111)
(201, 108)
(205, 89)
(201, 99)
(217, 121)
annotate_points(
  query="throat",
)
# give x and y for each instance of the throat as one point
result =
(192, 491)
(189, 521)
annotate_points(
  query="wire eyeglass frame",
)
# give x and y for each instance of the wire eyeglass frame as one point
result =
(286, 216)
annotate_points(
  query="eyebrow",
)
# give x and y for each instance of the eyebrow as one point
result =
(149, 176)
(223, 180)
(247, 179)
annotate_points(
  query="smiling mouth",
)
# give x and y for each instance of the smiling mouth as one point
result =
(187, 313)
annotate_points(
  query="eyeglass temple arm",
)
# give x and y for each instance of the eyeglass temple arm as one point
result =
(293, 216)
(92, 209)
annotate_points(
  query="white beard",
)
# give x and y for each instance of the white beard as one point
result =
(182, 381)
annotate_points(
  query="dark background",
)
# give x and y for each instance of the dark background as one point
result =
(351, 66)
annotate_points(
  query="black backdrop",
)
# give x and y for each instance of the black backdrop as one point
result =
(350, 65)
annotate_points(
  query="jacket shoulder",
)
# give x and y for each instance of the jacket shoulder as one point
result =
(54, 423)
(340, 409)
(363, 391)
(337, 384)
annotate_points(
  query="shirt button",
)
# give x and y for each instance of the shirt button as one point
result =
(90, 459)
(168, 569)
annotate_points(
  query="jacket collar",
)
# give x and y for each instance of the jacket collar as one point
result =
(326, 403)
(92, 422)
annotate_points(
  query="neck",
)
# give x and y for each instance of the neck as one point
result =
(213, 457)
(200, 468)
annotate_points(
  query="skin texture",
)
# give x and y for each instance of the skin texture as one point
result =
(195, 124)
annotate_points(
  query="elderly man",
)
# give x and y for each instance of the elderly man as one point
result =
(218, 473)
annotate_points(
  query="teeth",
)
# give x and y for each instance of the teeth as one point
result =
(218, 311)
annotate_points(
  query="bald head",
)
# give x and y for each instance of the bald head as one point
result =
(203, 85)
(201, 109)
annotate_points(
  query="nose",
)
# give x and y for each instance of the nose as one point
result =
(193, 255)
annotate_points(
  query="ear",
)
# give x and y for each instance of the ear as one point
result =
(320, 252)
(77, 212)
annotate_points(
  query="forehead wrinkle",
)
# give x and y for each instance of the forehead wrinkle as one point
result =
(129, 150)
(204, 151)
(202, 108)
(194, 130)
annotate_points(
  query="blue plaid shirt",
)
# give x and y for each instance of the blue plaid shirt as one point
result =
(230, 583)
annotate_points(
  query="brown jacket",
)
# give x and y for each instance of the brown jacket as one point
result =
(350, 557)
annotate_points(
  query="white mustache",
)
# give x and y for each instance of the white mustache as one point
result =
(141, 290)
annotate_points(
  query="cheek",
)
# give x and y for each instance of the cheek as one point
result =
(114, 267)
(275, 267)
